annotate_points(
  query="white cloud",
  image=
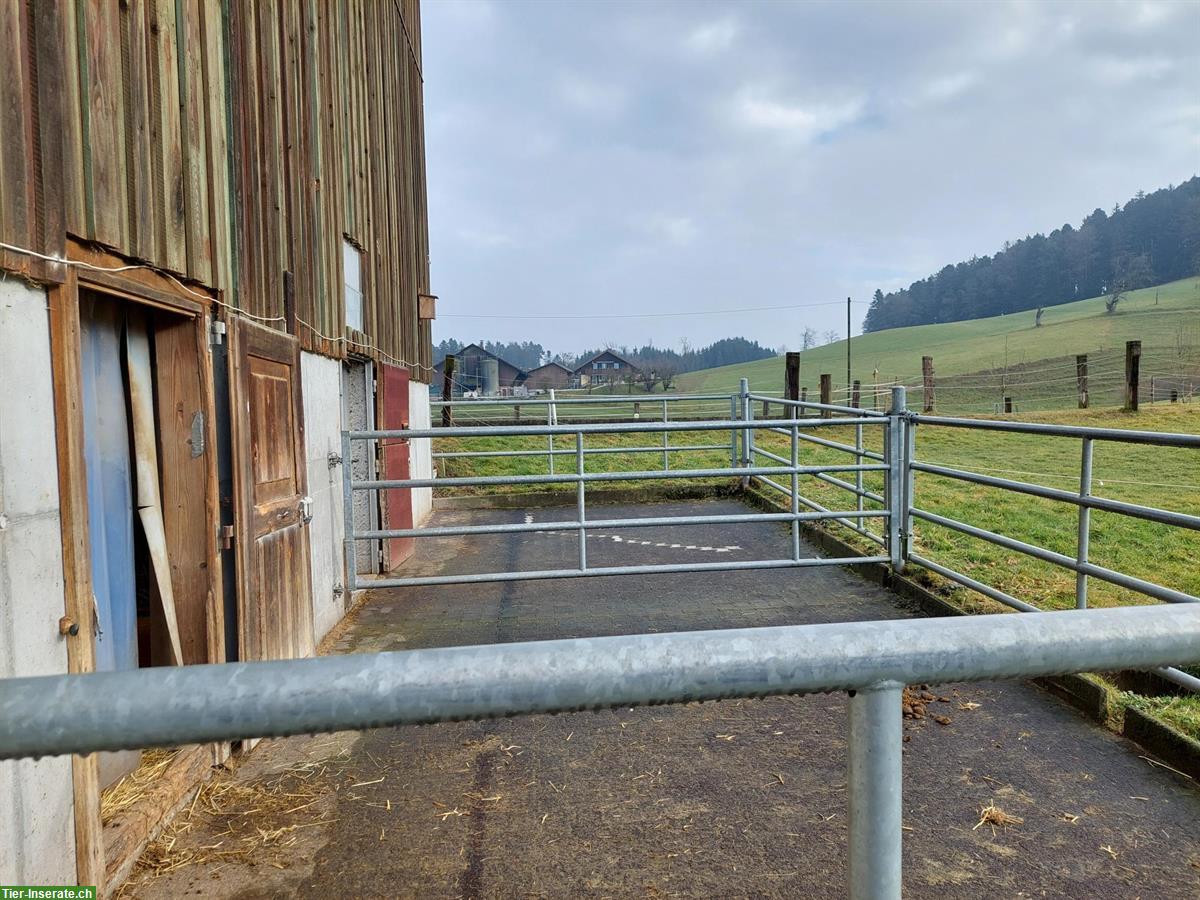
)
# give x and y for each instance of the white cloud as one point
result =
(591, 96)
(712, 37)
(487, 238)
(802, 123)
(947, 87)
(1114, 70)
(676, 230)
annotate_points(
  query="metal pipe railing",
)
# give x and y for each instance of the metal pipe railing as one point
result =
(601, 428)
(828, 407)
(588, 451)
(567, 478)
(1119, 435)
(1149, 513)
(56, 715)
(608, 524)
(558, 400)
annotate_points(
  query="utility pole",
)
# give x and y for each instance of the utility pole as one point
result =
(847, 342)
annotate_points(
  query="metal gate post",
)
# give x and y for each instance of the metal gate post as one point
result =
(666, 441)
(875, 778)
(733, 434)
(747, 433)
(910, 487)
(796, 491)
(580, 501)
(895, 446)
(1085, 522)
(550, 437)
(349, 548)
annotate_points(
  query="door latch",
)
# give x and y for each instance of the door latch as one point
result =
(306, 504)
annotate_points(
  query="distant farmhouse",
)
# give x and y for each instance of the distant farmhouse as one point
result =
(550, 376)
(485, 373)
(603, 368)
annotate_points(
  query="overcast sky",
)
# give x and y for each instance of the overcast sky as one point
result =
(632, 158)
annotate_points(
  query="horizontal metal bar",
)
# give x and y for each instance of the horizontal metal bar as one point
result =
(769, 455)
(602, 428)
(836, 445)
(1120, 579)
(572, 478)
(1174, 675)
(1155, 438)
(829, 479)
(807, 404)
(1183, 679)
(573, 401)
(53, 715)
(602, 524)
(967, 581)
(864, 532)
(668, 569)
(459, 454)
(1137, 511)
(847, 486)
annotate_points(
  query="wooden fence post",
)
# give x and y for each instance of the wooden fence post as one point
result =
(1081, 379)
(1133, 364)
(826, 393)
(791, 382)
(447, 390)
(1008, 404)
(856, 394)
(927, 381)
(803, 393)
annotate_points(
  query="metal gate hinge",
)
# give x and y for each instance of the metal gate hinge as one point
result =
(216, 333)
(227, 535)
(335, 460)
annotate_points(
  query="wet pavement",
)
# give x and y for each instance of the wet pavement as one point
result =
(729, 798)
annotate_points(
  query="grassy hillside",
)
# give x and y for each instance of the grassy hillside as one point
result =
(1008, 354)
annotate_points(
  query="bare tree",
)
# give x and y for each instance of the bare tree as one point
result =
(666, 374)
(1130, 271)
(832, 336)
(808, 339)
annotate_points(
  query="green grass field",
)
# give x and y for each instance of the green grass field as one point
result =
(978, 362)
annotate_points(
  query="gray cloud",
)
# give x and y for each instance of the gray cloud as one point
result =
(633, 157)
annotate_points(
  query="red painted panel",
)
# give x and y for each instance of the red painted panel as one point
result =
(397, 503)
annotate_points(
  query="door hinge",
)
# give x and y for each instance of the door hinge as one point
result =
(216, 333)
(306, 510)
(335, 460)
(227, 535)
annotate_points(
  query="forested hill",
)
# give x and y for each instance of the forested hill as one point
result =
(1154, 238)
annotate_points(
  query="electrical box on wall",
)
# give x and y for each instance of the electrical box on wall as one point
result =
(426, 306)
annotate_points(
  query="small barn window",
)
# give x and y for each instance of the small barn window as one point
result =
(352, 266)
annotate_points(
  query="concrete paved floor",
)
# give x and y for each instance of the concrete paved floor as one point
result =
(734, 798)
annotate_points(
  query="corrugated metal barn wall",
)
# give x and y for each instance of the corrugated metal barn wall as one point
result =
(226, 141)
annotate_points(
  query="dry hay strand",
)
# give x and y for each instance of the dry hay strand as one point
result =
(996, 817)
(249, 819)
(133, 788)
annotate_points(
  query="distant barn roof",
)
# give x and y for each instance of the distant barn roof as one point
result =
(591, 359)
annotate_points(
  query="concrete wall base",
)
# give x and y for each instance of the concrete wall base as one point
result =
(37, 830)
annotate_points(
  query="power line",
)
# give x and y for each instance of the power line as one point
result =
(664, 315)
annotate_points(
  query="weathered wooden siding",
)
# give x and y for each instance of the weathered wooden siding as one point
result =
(226, 141)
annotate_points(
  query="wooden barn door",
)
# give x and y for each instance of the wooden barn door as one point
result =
(270, 484)
(397, 503)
